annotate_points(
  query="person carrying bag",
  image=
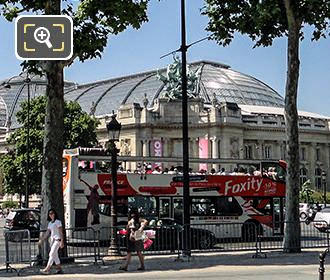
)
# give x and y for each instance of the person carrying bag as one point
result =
(135, 239)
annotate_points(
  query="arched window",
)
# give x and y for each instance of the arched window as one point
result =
(268, 152)
(303, 175)
(318, 178)
(247, 151)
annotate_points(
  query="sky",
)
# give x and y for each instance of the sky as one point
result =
(135, 51)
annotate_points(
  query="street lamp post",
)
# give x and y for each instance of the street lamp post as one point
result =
(113, 128)
(27, 82)
(27, 181)
(324, 181)
(185, 140)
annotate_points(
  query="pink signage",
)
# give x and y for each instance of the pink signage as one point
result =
(158, 150)
(203, 151)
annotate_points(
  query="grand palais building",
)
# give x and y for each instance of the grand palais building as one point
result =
(231, 115)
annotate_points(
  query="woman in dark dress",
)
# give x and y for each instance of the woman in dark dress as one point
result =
(134, 238)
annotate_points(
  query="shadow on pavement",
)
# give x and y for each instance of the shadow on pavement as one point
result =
(170, 263)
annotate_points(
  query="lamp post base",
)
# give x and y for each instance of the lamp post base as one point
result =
(114, 254)
(114, 251)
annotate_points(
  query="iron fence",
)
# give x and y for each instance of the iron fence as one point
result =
(18, 249)
(166, 240)
(252, 235)
(82, 243)
(94, 243)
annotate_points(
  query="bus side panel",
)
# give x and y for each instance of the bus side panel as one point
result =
(68, 190)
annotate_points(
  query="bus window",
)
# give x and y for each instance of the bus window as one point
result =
(105, 208)
(122, 206)
(146, 205)
(228, 206)
(164, 207)
(178, 209)
(215, 206)
(203, 206)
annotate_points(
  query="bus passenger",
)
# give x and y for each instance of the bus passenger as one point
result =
(235, 171)
(148, 169)
(223, 171)
(157, 170)
(165, 171)
(172, 170)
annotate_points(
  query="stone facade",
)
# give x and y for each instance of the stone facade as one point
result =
(229, 130)
(235, 116)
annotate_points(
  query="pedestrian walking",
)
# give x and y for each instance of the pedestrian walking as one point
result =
(135, 237)
(55, 231)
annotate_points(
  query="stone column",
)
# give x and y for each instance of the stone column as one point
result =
(241, 147)
(260, 149)
(165, 143)
(277, 150)
(226, 147)
(191, 148)
(312, 160)
(146, 148)
(215, 151)
(195, 152)
(138, 147)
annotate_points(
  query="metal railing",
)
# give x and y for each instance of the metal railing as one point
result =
(82, 243)
(18, 249)
(94, 244)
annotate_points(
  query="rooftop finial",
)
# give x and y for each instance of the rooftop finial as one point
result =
(214, 100)
(145, 100)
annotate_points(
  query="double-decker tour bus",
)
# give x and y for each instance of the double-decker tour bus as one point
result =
(235, 198)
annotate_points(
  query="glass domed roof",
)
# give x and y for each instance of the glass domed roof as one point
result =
(100, 98)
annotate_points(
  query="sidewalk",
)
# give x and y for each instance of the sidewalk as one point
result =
(238, 265)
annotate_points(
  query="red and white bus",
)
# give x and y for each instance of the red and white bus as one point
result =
(215, 199)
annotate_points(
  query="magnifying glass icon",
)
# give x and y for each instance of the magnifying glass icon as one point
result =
(42, 35)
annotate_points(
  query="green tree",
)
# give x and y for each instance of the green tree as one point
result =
(79, 130)
(263, 21)
(94, 21)
(306, 193)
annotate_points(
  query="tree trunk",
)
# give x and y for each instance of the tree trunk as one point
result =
(292, 221)
(51, 185)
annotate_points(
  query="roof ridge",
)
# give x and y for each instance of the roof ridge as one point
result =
(148, 72)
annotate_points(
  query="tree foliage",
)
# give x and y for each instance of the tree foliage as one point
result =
(79, 130)
(263, 21)
(94, 21)
(306, 193)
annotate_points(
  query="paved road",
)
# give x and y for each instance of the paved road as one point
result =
(239, 266)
